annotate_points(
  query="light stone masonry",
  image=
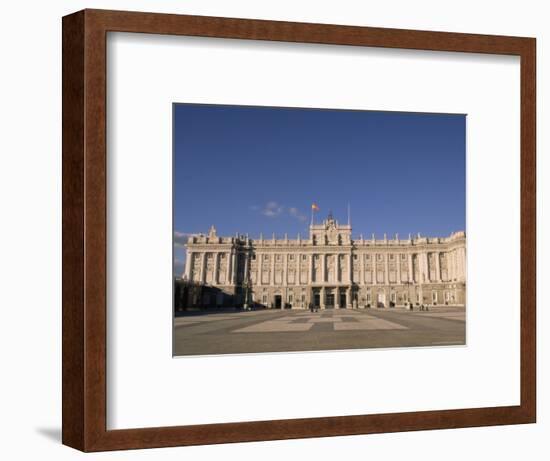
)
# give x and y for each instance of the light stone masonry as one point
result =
(330, 269)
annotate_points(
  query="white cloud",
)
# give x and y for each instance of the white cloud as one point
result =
(180, 238)
(272, 209)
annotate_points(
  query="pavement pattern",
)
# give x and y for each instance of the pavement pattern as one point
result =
(234, 332)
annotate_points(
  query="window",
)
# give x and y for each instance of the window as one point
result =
(367, 257)
(291, 257)
(290, 298)
(304, 257)
(253, 257)
(379, 257)
(403, 257)
(278, 257)
(355, 257)
(391, 257)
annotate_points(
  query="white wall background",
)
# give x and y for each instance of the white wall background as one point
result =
(30, 243)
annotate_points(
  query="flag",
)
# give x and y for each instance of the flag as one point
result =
(314, 207)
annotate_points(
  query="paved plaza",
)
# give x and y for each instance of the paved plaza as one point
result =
(235, 332)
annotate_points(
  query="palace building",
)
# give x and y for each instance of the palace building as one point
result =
(329, 269)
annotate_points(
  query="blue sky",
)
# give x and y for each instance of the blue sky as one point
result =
(259, 169)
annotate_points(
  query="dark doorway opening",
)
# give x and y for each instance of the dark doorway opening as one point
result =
(330, 301)
(317, 300)
(278, 302)
(343, 300)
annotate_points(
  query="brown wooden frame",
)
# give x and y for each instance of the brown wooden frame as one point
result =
(85, 222)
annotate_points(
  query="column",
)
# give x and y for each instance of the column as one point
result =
(188, 265)
(311, 262)
(460, 265)
(398, 263)
(453, 265)
(374, 267)
(272, 274)
(362, 269)
(322, 300)
(323, 267)
(298, 269)
(462, 256)
(386, 269)
(235, 267)
(228, 269)
(337, 298)
(437, 267)
(203, 267)
(348, 297)
(259, 268)
(420, 265)
(457, 262)
(350, 278)
(216, 266)
(464, 263)
(410, 262)
(426, 266)
(285, 269)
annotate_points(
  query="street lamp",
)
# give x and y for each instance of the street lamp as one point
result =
(246, 285)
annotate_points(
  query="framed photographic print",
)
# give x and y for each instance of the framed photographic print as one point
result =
(280, 230)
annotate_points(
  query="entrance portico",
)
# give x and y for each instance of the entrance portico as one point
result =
(331, 297)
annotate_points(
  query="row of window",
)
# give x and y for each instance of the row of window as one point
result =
(379, 257)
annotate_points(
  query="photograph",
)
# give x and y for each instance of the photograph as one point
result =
(299, 229)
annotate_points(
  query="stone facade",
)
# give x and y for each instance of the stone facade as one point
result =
(329, 269)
